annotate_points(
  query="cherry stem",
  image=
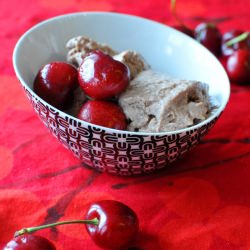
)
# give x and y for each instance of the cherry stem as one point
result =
(94, 221)
(237, 39)
(173, 10)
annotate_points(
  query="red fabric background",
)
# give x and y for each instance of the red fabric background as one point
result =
(200, 202)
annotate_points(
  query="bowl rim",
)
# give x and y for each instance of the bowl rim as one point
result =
(213, 116)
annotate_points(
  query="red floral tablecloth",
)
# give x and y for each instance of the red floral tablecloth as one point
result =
(200, 202)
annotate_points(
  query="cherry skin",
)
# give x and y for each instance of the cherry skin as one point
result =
(184, 30)
(118, 224)
(55, 83)
(238, 66)
(228, 50)
(103, 113)
(209, 36)
(29, 242)
(101, 77)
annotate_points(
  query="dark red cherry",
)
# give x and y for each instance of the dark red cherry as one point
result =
(101, 77)
(55, 83)
(184, 30)
(209, 35)
(103, 113)
(29, 242)
(118, 224)
(242, 44)
(238, 66)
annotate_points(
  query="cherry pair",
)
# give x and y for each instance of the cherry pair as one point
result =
(233, 47)
(110, 224)
(99, 76)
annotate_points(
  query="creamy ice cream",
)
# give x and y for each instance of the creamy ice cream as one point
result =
(134, 61)
(154, 102)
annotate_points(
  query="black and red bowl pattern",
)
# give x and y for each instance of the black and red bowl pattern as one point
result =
(120, 153)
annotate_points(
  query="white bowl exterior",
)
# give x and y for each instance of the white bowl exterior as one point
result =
(164, 48)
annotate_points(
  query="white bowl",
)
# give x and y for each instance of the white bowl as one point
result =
(165, 49)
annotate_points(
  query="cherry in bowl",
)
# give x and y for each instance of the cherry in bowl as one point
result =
(103, 113)
(101, 77)
(55, 83)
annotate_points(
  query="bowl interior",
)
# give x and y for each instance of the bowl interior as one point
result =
(164, 48)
